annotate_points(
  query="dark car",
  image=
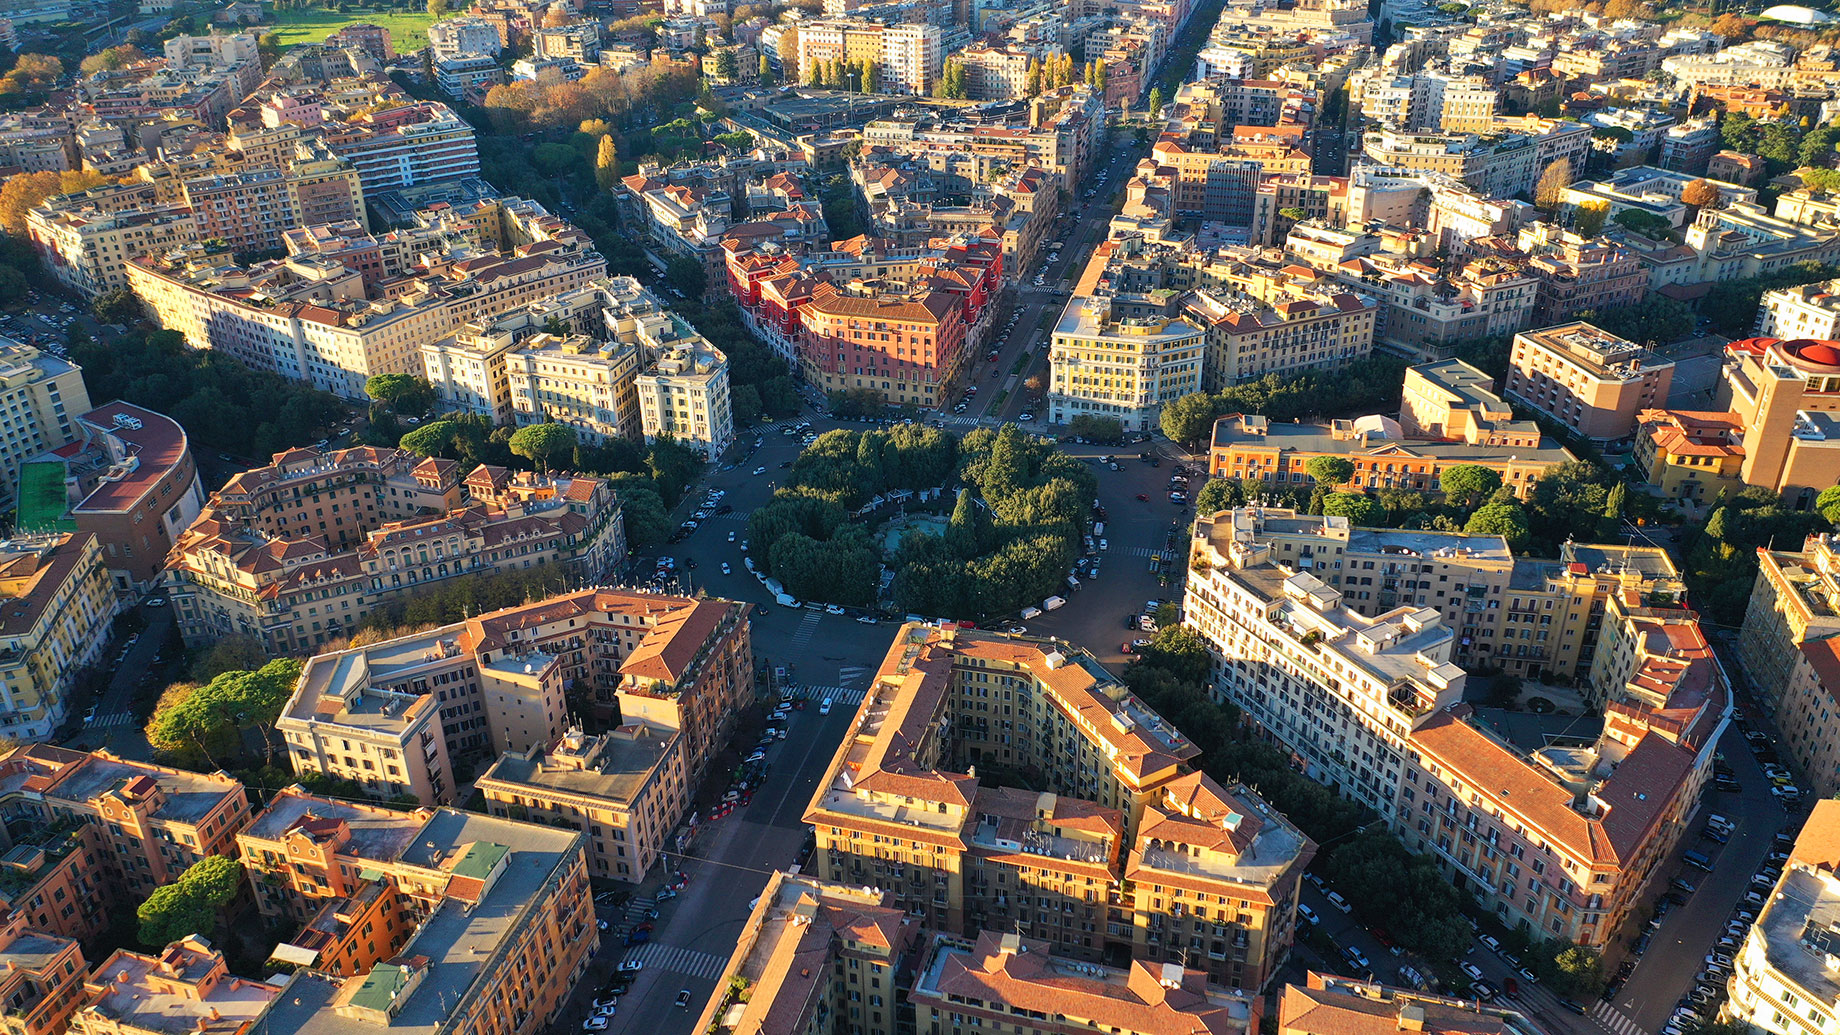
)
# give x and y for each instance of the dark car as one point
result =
(1575, 1007)
(683, 998)
(638, 937)
(1639, 946)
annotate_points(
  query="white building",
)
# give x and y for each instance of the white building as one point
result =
(1786, 981)
(1105, 364)
(452, 37)
(1805, 311)
(577, 381)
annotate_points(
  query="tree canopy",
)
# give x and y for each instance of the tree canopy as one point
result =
(193, 904)
(543, 444)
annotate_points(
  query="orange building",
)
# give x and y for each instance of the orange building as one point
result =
(141, 826)
(186, 988)
(41, 979)
(904, 347)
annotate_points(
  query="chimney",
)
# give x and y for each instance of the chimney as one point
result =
(1411, 1017)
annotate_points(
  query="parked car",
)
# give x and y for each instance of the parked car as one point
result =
(1473, 972)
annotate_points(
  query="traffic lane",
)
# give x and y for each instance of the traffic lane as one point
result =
(1094, 615)
(1678, 950)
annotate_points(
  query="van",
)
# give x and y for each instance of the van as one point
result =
(1073, 583)
(1053, 603)
(1030, 612)
(1098, 529)
(786, 600)
(1697, 860)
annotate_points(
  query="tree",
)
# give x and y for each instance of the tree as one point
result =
(1550, 191)
(229, 654)
(1219, 494)
(1731, 26)
(607, 163)
(543, 443)
(1508, 520)
(686, 275)
(766, 71)
(1469, 484)
(1579, 970)
(436, 438)
(1360, 509)
(117, 306)
(1031, 79)
(192, 904)
(1700, 194)
(1156, 101)
(1589, 219)
(1329, 471)
(1189, 419)
(23, 192)
(111, 59)
(437, 8)
(1646, 223)
(1828, 503)
(407, 394)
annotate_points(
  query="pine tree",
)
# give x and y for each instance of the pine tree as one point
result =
(607, 164)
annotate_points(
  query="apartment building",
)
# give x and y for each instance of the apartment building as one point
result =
(1115, 357)
(299, 571)
(454, 37)
(625, 788)
(1693, 456)
(87, 249)
(1577, 275)
(906, 347)
(59, 606)
(1587, 380)
(1250, 447)
(406, 146)
(42, 980)
(399, 715)
(312, 318)
(1127, 850)
(1530, 617)
(964, 985)
(684, 395)
(908, 56)
(576, 380)
(1784, 395)
(1564, 838)
(1505, 160)
(1787, 647)
(186, 987)
(1247, 339)
(508, 932)
(580, 42)
(1326, 1004)
(1802, 311)
(114, 828)
(1781, 983)
(815, 957)
(248, 211)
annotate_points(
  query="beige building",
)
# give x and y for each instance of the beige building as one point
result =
(297, 553)
(1528, 616)
(400, 716)
(1564, 839)
(1781, 983)
(1587, 380)
(577, 381)
(626, 788)
(1128, 852)
(1785, 395)
(683, 395)
(1122, 364)
(45, 396)
(88, 249)
(1789, 646)
(907, 57)
(60, 602)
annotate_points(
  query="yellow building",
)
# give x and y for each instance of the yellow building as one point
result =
(1789, 646)
(44, 395)
(625, 788)
(1106, 363)
(577, 381)
(1786, 394)
(59, 603)
(1691, 455)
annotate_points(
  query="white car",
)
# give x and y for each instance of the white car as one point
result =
(725, 567)
(1335, 899)
(1474, 972)
(833, 609)
(760, 470)
(1308, 914)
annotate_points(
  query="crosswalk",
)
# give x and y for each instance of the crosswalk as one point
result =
(115, 719)
(679, 961)
(851, 673)
(839, 695)
(1614, 1021)
(808, 627)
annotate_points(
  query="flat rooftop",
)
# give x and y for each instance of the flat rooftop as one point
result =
(622, 765)
(460, 943)
(1800, 927)
(376, 833)
(189, 796)
(1320, 438)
